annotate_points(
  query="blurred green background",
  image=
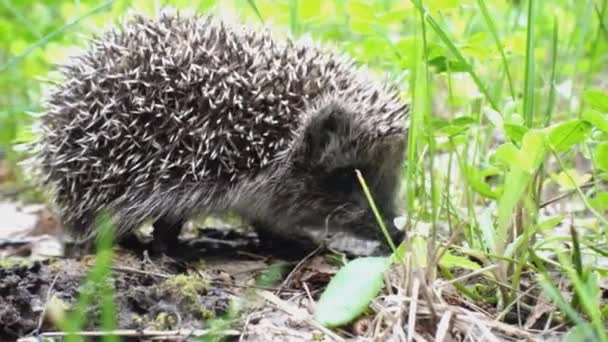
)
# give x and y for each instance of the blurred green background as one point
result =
(36, 34)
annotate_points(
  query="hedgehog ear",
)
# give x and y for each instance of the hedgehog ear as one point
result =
(330, 124)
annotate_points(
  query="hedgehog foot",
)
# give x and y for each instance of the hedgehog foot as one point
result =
(166, 235)
(165, 239)
(288, 247)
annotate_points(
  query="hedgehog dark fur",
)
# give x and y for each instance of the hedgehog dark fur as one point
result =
(179, 115)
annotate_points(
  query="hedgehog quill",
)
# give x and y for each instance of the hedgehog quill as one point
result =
(176, 115)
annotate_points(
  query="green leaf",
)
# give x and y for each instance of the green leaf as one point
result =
(597, 119)
(550, 222)
(450, 261)
(455, 51)
(272, 275)
(463, 121)
(565, 135)
(597, 99)
(351, 291)
(443, 64)
(533, 149)
(515, 132)
(600, 156)
(507, 154)
(477, 183)
(570, 179)
(600, 201)
(530, 157)
(452, 127)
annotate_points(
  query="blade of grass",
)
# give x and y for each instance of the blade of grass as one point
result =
(44, 40)
(423, 93)
(494, 32)
(456, 52)
(594, 55)
(551, 95)
(600, 17)
(253, 6)
(588, 294)
(293, 17)
(375, 210)
(577, 39)
(418, 82)
(97, 280)
(528, 105)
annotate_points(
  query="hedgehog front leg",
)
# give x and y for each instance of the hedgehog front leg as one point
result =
(283, 244)
(166, 233)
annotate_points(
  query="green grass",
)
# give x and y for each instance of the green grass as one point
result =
(532, 72)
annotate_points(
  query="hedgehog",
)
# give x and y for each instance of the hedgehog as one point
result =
(175, 115)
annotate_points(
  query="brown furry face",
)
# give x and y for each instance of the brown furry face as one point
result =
(321, 190)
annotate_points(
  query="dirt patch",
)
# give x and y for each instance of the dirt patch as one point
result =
(158, 296)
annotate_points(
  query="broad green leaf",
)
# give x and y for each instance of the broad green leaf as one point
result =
(516, 182)
(450, 261)
(565, 135)
(507, 154)
(600, 201)
(528, 158)
(600, 156)
(532, 154)
(533, 148)
(570, 179)
(597, 99)
(515, 132)
(490, 171)
(443, 64)
(550, 222)
(351, 291)
(450, 131)
(597, 119)
(477, 182)
(452, 127)
(463, 121)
